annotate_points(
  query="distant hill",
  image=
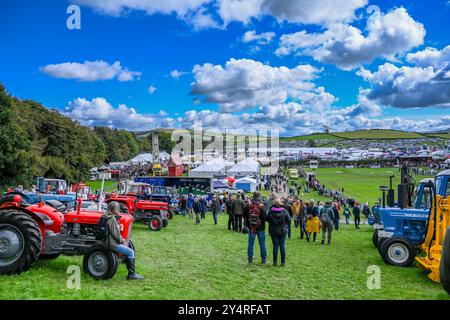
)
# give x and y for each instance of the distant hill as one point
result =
(371, 134)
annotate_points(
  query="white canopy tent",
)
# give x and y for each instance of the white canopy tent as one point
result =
(248, 166)
(142, 158)
(209, 169)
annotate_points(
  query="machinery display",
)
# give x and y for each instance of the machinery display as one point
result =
(134, 199)
(29, 232)
(417, 228)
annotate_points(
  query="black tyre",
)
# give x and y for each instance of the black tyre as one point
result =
(155, 223)
(398, 252)
(20, 242)
(375, 239)
(100, 263)
(380, 244)
(165, 223)
(444, 269)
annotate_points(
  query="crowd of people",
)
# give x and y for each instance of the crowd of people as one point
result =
(283, 211)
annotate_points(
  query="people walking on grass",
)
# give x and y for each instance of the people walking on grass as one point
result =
(347, 214)
(204, 207)
(366, 212)
(183, 205)
(290, 211)
(197, 208)
(302, 219)
(327, 219)
(190, 205)
(357, 214)
(337, 216)
(115, 241)
(296, 209)
(215, 208)
(229, 211)
(255, 216)
(278, 218)
(312, 221)
(238, 212)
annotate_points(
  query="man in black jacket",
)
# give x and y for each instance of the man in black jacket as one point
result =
(229, 209)
(255, 216)
(197, 207)
(238, 212)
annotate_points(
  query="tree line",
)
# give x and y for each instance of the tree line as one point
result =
(37, 141)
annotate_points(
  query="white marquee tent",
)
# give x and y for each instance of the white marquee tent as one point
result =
(248, 166)
(142, 158)
(210, 168)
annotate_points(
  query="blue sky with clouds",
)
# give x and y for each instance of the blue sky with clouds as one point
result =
(295, 65)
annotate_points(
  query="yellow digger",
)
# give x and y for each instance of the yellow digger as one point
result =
(436, 246)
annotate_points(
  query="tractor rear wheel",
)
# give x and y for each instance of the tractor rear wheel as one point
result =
(444, 269)
(100, 263)
(398, 252)
(165, 223)
(20, 241)
(155, 223)
(375, 239)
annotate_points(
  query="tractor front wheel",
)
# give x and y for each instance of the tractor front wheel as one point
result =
(375, 239)
(398, 252)
(155, 223)
(444, 269)
(20, 242)
(100, 263)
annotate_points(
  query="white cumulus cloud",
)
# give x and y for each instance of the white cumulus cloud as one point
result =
(425, 83)
(90, 71)
(245, 83)
(99, 112)
(321, 12)
(388, 36)
(260, 38)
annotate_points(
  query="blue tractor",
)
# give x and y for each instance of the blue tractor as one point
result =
(403, 226)
(48, 190)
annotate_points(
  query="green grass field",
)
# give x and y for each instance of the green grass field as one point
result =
(97, 184)
(361, 184)
(185, 261)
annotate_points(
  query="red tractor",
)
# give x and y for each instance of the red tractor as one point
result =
(153, 213)
(38, 231)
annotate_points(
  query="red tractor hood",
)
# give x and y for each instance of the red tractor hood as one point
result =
(92, 217)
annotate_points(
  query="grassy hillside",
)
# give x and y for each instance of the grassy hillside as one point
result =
(371, 134)
(378, 134)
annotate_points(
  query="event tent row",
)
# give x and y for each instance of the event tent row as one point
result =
(217, 166)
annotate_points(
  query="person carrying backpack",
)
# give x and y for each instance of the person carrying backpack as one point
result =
(327, 219)
(109, 228)
(255, 215)
(278, 218)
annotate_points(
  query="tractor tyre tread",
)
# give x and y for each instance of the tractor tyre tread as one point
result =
(32, 240)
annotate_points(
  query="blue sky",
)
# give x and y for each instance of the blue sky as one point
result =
(352, 67)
